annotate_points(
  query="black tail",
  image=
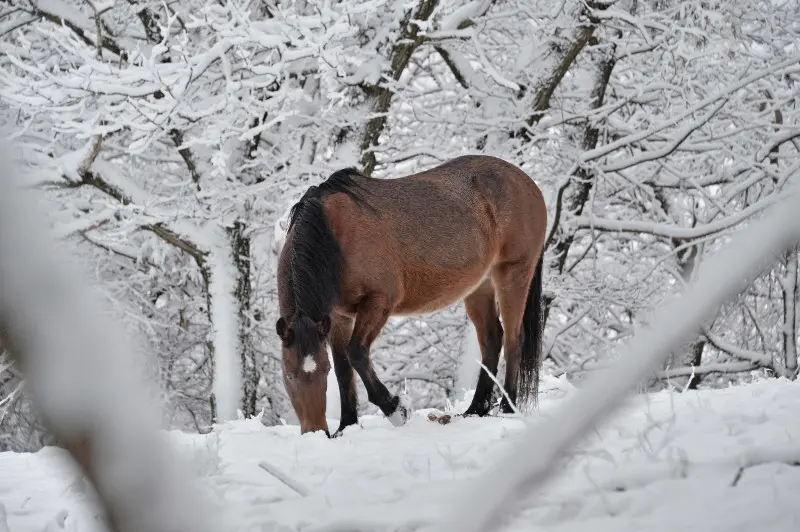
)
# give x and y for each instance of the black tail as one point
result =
(532, 332)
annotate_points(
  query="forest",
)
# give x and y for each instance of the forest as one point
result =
(170, 139)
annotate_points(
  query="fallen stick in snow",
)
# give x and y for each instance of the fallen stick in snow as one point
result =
(641, 475)
(80, 369)
(494, 496)
(502, 388)
(789, 455)
(286, 479)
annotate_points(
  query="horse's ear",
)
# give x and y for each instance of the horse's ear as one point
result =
(324, 325)
(283, 330)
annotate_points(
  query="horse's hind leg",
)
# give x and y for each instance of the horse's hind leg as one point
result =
(482, 311)
(370, 318)
(511, 281)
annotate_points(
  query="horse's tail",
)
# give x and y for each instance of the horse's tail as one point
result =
(532, 332)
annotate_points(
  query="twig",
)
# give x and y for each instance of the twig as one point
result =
(283, 477)
(502, 388)
(737, 477)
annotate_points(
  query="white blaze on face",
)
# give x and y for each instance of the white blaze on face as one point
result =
(309, 364)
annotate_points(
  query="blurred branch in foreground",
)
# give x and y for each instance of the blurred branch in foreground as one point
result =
(82, 378)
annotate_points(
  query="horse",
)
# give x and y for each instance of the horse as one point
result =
(359, 250)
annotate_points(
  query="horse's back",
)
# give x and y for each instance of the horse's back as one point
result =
(491, 178)
(436, 233)
(507, 195)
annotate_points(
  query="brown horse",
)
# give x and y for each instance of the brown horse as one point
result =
(359, 250)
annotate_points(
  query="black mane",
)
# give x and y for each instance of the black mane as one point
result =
(340, 181)
(316, 260)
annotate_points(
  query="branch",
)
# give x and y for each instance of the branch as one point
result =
(154, 36)
(759, 359)
(177, 137)
(284, 478)
(184, 245)
(669, 231)
(464, 17)
(673, 145)
(106, 42)
(722, 94)
(90, 178)
(729, 367)
(448, 60)
(115, 250)
(408, 41)
(547, 86)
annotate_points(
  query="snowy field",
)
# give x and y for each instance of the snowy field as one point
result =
(724, 460)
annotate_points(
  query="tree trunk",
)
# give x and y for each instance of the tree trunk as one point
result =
(381, 95)
(572, 197)
(789, 329)
(240, 244)
(687, 254)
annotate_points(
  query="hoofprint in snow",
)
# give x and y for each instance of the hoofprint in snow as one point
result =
(722, 460)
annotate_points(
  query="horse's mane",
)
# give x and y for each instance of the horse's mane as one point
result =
(316, 257)
(340, 181)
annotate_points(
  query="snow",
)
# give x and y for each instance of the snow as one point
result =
(66, 12)
(711, 460)
(464, 13)
(720, 277)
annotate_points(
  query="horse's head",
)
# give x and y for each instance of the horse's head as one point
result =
(305, 368)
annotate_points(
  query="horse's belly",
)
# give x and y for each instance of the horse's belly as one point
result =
(425, 294)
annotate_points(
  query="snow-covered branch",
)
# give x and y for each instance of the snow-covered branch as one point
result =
(787, 67)
(407, 42)
(670, 231)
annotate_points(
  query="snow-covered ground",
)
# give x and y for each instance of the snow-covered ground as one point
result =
(724, 460)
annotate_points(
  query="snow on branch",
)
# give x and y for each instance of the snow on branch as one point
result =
(671, 231)
(61, 13)
(758, 359)
(705, 369)
(671, 146)
(465, 15)
(490, 499)
(788, 66)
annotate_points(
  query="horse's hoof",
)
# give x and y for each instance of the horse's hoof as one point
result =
(340, 430)
(400, 416)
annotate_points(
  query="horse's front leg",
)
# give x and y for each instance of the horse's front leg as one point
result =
(340, 338)
(370, 319)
